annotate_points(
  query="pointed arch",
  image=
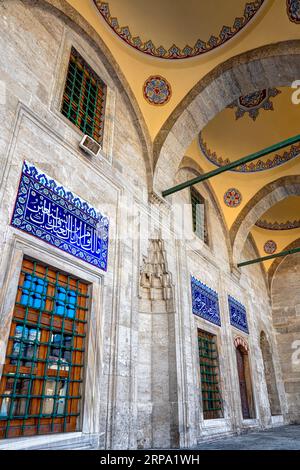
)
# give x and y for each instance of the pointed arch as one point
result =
(277, 261)
(265, 198)
(267, 66)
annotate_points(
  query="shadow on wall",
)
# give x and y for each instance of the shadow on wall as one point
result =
(285, 293)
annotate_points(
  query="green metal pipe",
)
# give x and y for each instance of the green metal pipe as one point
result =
(265, 258)
(230, 166)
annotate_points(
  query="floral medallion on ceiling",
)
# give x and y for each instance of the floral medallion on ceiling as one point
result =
(293, 10)
(232, 197)
(220, 34)
(252, 103)
(157, 90)
(288, 225)
(270, 247)
(258, 165)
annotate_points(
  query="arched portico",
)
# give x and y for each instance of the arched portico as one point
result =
(267, 66)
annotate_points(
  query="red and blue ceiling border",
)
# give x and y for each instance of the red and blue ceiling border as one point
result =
(288, 225)
(259, 165)
(175, 52)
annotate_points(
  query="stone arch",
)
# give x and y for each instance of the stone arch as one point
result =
(270, 376)
(71, 17)
(267, 66)
(265, 198)
(277, 261)
(239, 341)
(189, 164)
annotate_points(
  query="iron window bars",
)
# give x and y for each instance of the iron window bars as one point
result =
(199, 215)
(40, 388)
(84, 97)
(209, 369)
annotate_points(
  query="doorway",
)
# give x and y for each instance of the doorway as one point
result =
(245, 383)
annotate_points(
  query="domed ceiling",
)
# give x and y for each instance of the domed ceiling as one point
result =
(284, 215)
(177, 29)
(252, 123)
(146, 39)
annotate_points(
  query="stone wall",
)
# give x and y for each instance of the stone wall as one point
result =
(142, 376)
(286, 319)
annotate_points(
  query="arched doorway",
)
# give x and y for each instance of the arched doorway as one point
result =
(270, 375)
(244, 377)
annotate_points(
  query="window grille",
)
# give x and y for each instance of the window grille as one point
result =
(84, 98)
(199, 215)
(40, 388)
(210, 377)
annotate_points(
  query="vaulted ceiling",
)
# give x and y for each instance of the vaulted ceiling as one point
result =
(164, 47)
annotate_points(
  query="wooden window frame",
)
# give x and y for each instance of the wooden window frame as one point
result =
(45, 318)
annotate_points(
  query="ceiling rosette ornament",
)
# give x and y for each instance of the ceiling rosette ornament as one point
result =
(173, 51)
(252, 103)
(293, 10)
(157, 90)
(232, 197)
(270, 247)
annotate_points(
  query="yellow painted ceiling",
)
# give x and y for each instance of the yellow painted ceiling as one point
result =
(233, 138)
(270, 24)
(286, 210)
(182, 22)
(247, 183)
(282, 238)
(179, 22)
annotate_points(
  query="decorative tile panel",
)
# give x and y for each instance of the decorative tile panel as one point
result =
(52, 213)
(238, 315)
(205, 302)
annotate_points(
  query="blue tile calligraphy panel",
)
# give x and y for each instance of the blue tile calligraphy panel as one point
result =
(205, 302)
(238, 316)
(50, 212)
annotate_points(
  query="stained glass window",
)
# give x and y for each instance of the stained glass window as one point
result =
(84, 98)
(210, 377)
(199, 215)
(40, 388)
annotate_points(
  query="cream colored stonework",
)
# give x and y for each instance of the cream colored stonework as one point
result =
(142, 380)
